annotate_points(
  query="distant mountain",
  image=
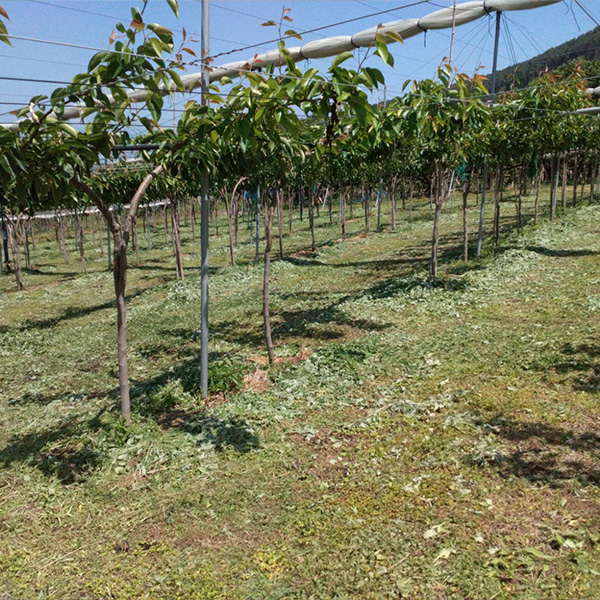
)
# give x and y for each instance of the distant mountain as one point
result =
(520, 75)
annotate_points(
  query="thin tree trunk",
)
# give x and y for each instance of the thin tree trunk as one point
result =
(498, 188)
(100, 240)
(554, 185)
(365, 195)
(25, 229)
(13, 229)
(351, 197)
(257, 237)
(149, 228)
(379, 207)
(465, 219)
(176, 238)
(436, 185)
(343, 213)
(229, 209)
(279, 194)
(583, 178)
(565, 173)
(311, 219)
(537, 192)
(236, 213)
(136, 245)
(166, 209)
(575, 179)
(266, 282)
(394, 183)
(193, 220)
(79, 238)
(121, 236)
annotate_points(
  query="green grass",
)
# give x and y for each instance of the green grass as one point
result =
(415, 441)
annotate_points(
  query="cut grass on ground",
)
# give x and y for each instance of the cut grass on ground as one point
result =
(414, 441)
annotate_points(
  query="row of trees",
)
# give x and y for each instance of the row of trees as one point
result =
(297, 130)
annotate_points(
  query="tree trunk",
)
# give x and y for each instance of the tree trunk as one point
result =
(176, 238)
(553, 185)
(79, 238)
(565, 173)
(465, 220)
(166, 209)
(519, 199)
(583, 178)
(351, 198)
(149, 228)
(136, 245)
(236, 214)
(257, 240)
(575, 179)
(343, 213)
(30, 228)
(25, 229)
(193, 219)
(436, 186)
(13, 229)
(121, 236)
(279, 195)
(230, 210)
(266, 282)
(365, 196)
(498, 187)
(379, 195)
(311, 218)
(394, 183)
(537, 192)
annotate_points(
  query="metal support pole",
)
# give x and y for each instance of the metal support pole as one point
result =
(204, 218)
(453, 33)
(485, 166)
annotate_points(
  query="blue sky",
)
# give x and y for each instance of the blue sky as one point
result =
(236, 23)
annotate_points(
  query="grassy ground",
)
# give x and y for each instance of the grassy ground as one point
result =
(415, 441)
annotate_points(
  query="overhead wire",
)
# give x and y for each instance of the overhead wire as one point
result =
(190, 62)
(90, 12)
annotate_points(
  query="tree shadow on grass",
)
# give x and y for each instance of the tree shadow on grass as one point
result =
(60, 451)
(393, 287)
(211, 432)
(561, 253)
(583, 360)
(71, 450)
(544, 454)
(70, 313)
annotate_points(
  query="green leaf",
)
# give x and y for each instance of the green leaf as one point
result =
(293, 33)
(160, 29)
(394, 35)
(68, 129)
(340, 58)
(177, 80)
(96, 60)
(174, 7)
(382, 50)
(269, 24)
(537, 553)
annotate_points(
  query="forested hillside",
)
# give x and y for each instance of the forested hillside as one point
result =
(585, 46)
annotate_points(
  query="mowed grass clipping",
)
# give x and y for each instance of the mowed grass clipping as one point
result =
(414, 440)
